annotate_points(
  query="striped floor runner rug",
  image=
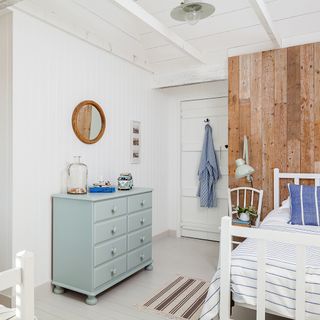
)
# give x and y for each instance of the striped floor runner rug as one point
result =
(181, 299)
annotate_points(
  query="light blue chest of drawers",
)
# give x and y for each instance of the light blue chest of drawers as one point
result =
(100, 239)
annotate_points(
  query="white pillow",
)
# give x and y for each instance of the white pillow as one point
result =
(286, 203)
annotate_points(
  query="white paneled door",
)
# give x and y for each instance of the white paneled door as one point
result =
(195, 221)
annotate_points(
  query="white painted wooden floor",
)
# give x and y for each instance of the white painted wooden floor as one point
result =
(172, 257)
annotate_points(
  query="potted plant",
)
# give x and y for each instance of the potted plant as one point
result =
(246, 214)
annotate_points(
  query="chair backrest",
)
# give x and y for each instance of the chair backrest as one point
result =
(243, 197)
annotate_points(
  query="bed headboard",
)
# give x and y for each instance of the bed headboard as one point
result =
(296, 178)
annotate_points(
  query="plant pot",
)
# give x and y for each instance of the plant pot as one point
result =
(244, 216)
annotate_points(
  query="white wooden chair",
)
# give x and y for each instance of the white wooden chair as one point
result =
(22, 278)
(246, 196)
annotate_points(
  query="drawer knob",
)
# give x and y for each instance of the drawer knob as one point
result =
(114, 230)
(143, 202)
(113, 251)
(142, 221)
(114, 272)
(142, 239)
(142, 257)
(114, 209)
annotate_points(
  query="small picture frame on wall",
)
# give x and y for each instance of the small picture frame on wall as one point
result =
(135, 141)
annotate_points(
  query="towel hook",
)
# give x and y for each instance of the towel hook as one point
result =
(207, 120)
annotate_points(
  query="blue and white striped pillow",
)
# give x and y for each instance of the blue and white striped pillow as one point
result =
(305, 203)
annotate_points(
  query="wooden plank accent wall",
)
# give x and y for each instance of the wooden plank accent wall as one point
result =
(274, 99)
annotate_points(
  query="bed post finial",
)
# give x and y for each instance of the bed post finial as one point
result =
(276, 189)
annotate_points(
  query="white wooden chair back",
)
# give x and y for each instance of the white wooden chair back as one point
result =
(244, 197)
(22, 278)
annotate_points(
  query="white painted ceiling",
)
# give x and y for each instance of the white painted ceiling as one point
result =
(233, 29)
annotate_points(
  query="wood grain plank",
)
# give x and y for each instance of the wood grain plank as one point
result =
(268, 77)
(317, 166)
(245, 106)
(245, 130)
(280, 126)
(294, 114)
(245, 122)
(245, 75)
(317, 106)
(306, 107)
(233, 119)
(256, 118)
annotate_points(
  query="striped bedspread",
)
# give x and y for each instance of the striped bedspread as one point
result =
(280, 273)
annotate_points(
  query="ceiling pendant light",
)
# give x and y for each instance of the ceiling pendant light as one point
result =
(192, 11)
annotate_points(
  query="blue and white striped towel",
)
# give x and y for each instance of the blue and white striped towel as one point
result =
(280, 273)
(209, 172)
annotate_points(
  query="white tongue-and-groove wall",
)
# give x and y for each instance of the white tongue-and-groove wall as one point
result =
(52, 72)
(5, 145)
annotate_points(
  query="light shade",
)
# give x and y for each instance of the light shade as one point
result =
(243, 169)
(192, 11)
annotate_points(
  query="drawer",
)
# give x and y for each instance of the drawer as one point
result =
(140, 202)
(139, 256)
(139, 220)
(139, 238)
(110, 229)
(109, 209)
(110, 250)
(109, 271)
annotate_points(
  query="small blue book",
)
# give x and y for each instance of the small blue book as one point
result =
(103, 189)
(238, 221)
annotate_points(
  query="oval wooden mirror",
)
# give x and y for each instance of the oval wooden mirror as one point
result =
(88, 121)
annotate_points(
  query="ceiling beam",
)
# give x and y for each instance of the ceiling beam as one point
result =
(7, 3)
(155, 24)
(200, 74)
(262, 12)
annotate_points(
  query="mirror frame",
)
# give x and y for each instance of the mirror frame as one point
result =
(75, 118)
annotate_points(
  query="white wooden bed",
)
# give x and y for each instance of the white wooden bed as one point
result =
(299, 241)
(21, 277)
